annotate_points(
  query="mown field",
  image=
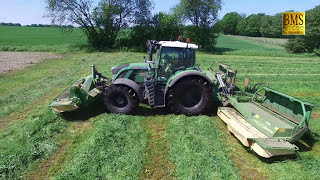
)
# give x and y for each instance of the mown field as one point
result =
(94, 144)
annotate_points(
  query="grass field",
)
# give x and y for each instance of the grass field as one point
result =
(41, 39)
(272, 41)
(94, 144)
(249, 46)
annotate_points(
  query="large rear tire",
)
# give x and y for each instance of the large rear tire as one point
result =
(120, 99)
(190, 96)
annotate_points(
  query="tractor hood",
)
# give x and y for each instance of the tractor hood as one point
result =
(115, 70)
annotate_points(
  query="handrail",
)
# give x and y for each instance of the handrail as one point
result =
(287, 96)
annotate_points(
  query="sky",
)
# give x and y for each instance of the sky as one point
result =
(32, 11)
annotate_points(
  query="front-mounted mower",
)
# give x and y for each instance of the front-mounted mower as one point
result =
(261, 118)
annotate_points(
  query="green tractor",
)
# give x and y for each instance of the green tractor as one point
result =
(170, 79)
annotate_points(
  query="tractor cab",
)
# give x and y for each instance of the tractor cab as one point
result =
(171, 57)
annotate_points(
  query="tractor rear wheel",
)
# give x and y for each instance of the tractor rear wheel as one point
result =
(190, 96)
(120, 99)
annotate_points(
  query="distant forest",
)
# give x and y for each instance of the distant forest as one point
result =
(35, 25)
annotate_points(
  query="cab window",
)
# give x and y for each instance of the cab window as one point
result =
(173, 58)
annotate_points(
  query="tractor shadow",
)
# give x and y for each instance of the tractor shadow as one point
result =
(145, 110)
(85, 114)
(99, 108)
(306, 143)
(277, 159)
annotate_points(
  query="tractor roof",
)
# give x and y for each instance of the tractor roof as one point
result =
(178, 44)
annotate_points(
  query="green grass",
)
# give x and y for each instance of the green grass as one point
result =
(27, 141)
(117, 146)
(230, 45)
(197, 150)
(24, 112)
(273, 41)
(113, 150)
(41, 39)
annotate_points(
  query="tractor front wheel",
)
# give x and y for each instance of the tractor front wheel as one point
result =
(120, 99)
(190, 96)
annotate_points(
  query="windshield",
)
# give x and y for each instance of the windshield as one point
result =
(172, 59)
(178, 56)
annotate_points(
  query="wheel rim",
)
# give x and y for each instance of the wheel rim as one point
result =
(119, 100)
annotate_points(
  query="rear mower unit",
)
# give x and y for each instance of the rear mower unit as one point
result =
(263, 119)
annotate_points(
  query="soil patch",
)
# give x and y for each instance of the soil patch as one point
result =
(10, 61)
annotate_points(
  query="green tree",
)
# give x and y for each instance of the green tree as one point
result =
(253, 25)
(101, 23)
(266, 26)
(142, 29)
(166, 26)
(230, 22)
(202, 14)
(271, 26)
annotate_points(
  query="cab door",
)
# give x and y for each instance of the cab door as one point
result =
(169, 60)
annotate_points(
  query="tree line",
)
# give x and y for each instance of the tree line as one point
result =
(36, 25)
(255, 25)
(9, 24)
(129, 23)
(261, 25)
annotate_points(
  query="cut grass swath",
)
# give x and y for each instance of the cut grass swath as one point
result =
(197, 150)
(27, 141)
(113, 150)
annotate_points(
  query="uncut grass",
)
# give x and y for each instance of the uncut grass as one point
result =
(41, 39)
(197, 150)
(113, 150)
